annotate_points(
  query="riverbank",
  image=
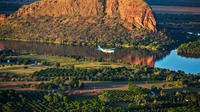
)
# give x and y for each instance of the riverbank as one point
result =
(153, 46)
(190, 49)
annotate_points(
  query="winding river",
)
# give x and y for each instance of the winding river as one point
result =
(165, 60)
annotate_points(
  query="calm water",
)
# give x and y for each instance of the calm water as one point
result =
(170, 61)
(173, 61)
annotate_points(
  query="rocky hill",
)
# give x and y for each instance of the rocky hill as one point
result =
(82, 20)
(133, 12)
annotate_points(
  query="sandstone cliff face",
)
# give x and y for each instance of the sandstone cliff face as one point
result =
(56, 8)
(133, 13)
(2, 17)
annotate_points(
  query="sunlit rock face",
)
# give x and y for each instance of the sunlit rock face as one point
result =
(129, 13)
(136, 12)
(2, 17)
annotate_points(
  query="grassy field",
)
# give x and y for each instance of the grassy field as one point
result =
(52, 59)
(22, 69)
(64, 63)
(98, 65)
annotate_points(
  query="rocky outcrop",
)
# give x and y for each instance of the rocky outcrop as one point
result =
(3, 17)
(130, 13)
(135, 12)
(56, 8)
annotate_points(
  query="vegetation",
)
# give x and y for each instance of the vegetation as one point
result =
(177, 26)
(4, 53)
(75, 83)
(26, 63)
(11, 63)
(7, 56)
(113, 101)
(57, 83)
(81, 34)
(90, 34)
(137, 73)
(41, 86)
(43, 101)
(76, 69)
(71, 61)
(191, 49)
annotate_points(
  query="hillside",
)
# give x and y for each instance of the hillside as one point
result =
(82, 20)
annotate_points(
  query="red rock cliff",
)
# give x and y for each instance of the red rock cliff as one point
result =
(2, 17)
(134, 13)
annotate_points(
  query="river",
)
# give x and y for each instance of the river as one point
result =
(165, 60)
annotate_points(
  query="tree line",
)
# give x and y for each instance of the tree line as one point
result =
(56, 83)
(136, 73)
(190, 49)
(109, 101)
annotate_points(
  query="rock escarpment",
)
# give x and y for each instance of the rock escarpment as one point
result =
(129, 13)
(3, 17)
(135, 12)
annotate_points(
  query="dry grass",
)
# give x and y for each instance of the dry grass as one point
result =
(98, 65)
(52, 59)
(64, 61)
(20, 69)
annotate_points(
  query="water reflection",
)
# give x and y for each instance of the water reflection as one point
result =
(175, 62)
(171, 61)
(132, 56)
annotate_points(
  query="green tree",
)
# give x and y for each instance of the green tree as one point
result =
(57, 64)
(105, 97)
(140, 99)
(132, 87)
